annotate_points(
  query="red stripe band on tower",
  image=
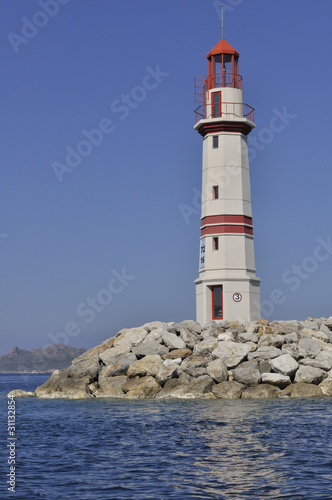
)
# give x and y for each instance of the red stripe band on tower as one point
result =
(233, 127)
(222, 219)
(227, 228)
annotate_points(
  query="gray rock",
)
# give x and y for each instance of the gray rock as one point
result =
(120, 366)
(231, 353)
(317, 334)
(173, 341)
(247, 373)
(141, 388)
(273, 339)
(201, 385)
(155, 325)
(228, 390)
(326, 387)
(194, 361)
(310, 375)
(311, 323)
(322, 361)
(205, 347)
(167, 371)
(150, 348)
(301, 390)
(149, 365)
(189, 338)
(290, 338)
(173, 388)
(291, 349)
(153, 336)
(276, 379)
(285, 365)
(86, 368)
(18, 393)
(189, 325)
(264, 366)
(111, 387)
(109, 356)
(196, 372)
(286, 327)
(261, 391)
(61, 385)
(308, 348)
(226, 336)
(265, 353)
(248, 337)
(217, 370)
(126, 339)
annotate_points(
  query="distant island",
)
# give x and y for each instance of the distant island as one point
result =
(53, 357)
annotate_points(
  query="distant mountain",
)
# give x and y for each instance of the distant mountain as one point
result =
(53, 357)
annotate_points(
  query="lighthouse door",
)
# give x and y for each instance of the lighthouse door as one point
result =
(217, 309)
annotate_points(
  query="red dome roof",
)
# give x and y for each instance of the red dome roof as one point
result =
(222, 47)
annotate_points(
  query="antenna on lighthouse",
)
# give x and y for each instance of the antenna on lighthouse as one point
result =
(222, 20)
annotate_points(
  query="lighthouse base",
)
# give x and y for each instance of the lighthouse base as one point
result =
(228, 299)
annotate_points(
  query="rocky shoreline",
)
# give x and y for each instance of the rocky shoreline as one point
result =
(218, 360)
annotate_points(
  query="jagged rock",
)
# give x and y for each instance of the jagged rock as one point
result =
(290, 338)
(120, 365)
(169, 369)
(153, 336)
(201, 385)
(316, 334)
(262, 391)
(326, 387)
(311, 323)
(264, 366)
(85, 368)
(328, 323)
(276, 379)
(265, 330)
(322, 361)
(274, 339)
(155, 325)
(150, 348)
(248, 336)
(175, 389)
(228, 390)
(109, 356)
(231, 353)
(18, 393)
(178, 353)
(291, 349)
(189, 338)
(265, 353)
(189, 325)
(324, 346)
(310, 375)
(149, 365)
(126, 339)
(301, 390)
(247, 373)
(111, 387)
(217, 370)
(60, 385)
(173, 341)
(205, 347)
(195, 365)
(140, 388)
(263, 322)
(308, 348)
(286, 327)
(285, 365)
(226, 336)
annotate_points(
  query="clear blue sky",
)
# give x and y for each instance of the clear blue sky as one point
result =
(63, 242)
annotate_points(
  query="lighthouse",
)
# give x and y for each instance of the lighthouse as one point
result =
(227, 286)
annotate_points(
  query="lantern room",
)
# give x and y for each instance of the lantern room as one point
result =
(224, 66)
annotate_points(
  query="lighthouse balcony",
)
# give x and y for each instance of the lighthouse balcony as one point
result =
(224, 110)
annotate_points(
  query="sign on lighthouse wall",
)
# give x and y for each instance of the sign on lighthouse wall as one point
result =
(227, 287)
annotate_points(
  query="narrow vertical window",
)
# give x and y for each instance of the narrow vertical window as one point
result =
(215, 243)
(215, 141)
(217, 312)
(216, 105)
(215, 192)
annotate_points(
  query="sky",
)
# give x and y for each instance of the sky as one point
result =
(101, 166)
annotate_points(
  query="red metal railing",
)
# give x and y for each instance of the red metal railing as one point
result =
(203, 83)
(224, 110)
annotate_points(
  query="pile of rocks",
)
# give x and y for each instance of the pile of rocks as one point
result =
(219, 360)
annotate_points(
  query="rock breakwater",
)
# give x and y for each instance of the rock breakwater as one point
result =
(218, 360)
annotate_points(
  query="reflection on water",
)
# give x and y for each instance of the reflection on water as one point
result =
(218, 449)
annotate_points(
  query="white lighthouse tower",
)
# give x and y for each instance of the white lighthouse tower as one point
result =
(227, 287)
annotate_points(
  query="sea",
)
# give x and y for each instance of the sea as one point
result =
(103, 449)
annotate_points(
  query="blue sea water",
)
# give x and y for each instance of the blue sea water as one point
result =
(208, 449)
